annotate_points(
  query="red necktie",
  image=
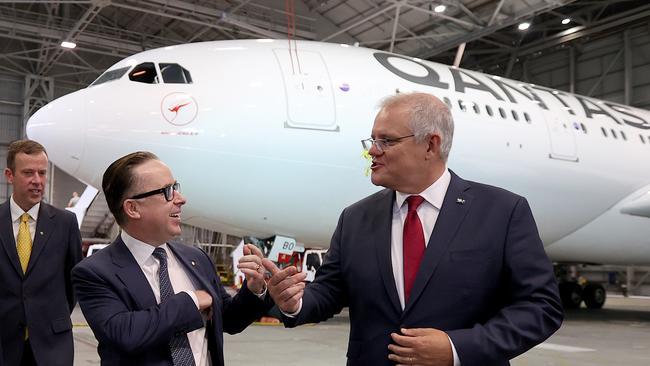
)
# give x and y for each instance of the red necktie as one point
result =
(413, 244)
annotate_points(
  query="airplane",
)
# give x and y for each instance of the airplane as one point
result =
(264, 136)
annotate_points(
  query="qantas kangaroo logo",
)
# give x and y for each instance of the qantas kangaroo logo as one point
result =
(176, 108)
(179, 109)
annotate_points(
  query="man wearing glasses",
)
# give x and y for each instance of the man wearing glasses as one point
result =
(435, 270)
(150, 301)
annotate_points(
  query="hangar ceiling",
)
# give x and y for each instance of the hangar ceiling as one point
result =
(106, 31)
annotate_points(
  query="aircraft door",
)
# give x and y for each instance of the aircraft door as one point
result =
(562, 138)
(308, 88)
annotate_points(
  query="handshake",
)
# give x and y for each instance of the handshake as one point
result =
(285, 286)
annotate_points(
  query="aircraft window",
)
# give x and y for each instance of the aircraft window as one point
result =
(476, 109)
(175, 74)
(462, 106)
(614, 134)
(110, 75)
(447, 102)
(584, 128)
(502, 112)
(515, 115)
(488, 109)
(642, 139)
(604, 131)
(526, 117)
(144, 73)
(623, 136)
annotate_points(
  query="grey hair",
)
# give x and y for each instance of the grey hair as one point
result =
(427, 115)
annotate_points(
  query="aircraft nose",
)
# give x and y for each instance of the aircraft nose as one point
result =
(60, 126)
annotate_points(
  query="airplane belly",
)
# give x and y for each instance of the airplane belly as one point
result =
(250, 193)
(615, 237)
(612, 238)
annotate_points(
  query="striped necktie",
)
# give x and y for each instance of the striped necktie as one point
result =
(178, 345)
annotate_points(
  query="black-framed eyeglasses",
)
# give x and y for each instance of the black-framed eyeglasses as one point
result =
(168, 191)
(382, 144)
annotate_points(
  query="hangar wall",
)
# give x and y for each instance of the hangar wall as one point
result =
(11, 110)
(613, 68)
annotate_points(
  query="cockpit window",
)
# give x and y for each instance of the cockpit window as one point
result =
(175, 74)
(144, 73)
(110, 75)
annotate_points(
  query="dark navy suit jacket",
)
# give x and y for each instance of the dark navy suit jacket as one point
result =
(484, 279)
(41, 299)
(132, 329)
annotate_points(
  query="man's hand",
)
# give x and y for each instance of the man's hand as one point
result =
(251, 265)
(205, 300)
(421, 346)
(285, 286)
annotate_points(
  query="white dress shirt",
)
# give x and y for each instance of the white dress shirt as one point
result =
(181, 282)
(428, 212)
(16, 212)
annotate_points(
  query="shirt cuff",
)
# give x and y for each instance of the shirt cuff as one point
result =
(194, 298)
(262, 295)
(453, 350)
(294, 314)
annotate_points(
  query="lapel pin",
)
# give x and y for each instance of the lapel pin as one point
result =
(460, 201)
(193, 263)
(41, 233)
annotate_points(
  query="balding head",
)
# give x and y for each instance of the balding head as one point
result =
(427, 115)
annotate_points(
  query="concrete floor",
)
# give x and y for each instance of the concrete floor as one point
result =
(618, 334)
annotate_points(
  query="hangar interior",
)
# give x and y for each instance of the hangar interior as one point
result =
(594, 48)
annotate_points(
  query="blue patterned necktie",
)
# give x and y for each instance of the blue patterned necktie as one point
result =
(178, 345)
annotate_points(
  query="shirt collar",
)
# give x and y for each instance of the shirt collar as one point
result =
(16, 211)
(434, 194)
(140, 250)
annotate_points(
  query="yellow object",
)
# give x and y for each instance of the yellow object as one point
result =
(24, 246)
(24, 242)
(366, 155)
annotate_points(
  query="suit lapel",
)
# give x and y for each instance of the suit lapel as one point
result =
(131, 275)
(382, 222)
(44, 227)
(191, 263)
(454, 208)
(7, 237)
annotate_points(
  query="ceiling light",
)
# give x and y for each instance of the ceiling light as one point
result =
(439, 8)
(523, 26)
(66, 44)
(566, 21)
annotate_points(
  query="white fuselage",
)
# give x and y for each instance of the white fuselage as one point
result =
(265, 140)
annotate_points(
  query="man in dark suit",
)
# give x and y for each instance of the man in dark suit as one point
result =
(40, 245)
(150, 301)
(435, 270)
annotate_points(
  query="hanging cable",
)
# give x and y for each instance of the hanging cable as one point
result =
(290, 9)
(293, 32)
(289, 30)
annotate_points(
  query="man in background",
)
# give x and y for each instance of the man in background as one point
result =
(40, 245)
